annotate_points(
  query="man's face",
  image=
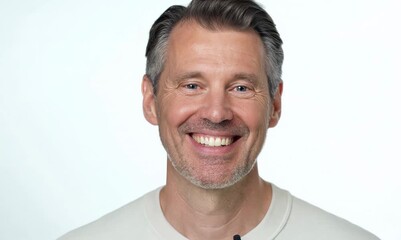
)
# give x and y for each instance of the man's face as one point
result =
(212, 104)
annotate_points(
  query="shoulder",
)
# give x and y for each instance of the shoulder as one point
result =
(307, 221)
(123, 223)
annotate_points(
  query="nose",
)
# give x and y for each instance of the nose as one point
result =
(217, 107)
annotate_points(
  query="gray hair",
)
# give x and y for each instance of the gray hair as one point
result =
(213, 15)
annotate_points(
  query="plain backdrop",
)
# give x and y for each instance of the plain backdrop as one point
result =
(74, 144)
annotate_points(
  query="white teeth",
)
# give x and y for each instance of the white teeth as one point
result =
(223, 141)
(213, 141)
(217, 142)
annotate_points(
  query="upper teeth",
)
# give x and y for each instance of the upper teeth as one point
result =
(213, 141)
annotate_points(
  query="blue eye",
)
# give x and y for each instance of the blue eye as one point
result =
(243, 91)
(241, 88)
(191, 86)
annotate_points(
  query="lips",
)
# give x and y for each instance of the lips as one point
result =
(213, 141)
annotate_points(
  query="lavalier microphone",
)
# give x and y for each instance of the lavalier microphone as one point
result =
(236, 237)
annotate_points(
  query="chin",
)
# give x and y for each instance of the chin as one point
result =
(218, 182)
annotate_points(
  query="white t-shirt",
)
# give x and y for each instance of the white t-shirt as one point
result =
(287, 218)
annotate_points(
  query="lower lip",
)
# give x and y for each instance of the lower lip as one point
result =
(222, 150)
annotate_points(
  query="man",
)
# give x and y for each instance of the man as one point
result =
(213, 86)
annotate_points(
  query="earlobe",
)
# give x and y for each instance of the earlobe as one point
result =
(276, 111)
(149, 101)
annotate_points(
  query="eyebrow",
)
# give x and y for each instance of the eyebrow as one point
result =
(252, 78)
(187, 75)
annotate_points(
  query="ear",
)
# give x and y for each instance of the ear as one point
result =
(276, 111)
(149, 101)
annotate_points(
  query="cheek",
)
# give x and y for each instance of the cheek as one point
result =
(255, 115)
(175, 110)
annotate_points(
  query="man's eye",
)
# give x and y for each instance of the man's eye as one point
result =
(191, 86)
(241, 88)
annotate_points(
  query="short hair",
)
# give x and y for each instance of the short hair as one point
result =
(215, 15)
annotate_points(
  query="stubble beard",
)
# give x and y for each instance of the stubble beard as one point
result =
(187, 172)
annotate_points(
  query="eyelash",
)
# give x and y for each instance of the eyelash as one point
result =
(191, 86)
(241, 91)
(243, 88)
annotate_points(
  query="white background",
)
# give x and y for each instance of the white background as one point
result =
(74, 144)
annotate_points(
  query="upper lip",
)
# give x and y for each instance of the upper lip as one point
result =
(214, 130)
(216, 133)
(222, 135)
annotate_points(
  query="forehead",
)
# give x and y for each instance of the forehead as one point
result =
(191, 43)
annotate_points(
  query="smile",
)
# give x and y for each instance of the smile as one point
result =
(213, 141)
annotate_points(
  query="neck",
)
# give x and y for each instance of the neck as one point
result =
(199, 213)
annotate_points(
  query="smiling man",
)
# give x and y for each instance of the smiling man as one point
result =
(213, 87)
